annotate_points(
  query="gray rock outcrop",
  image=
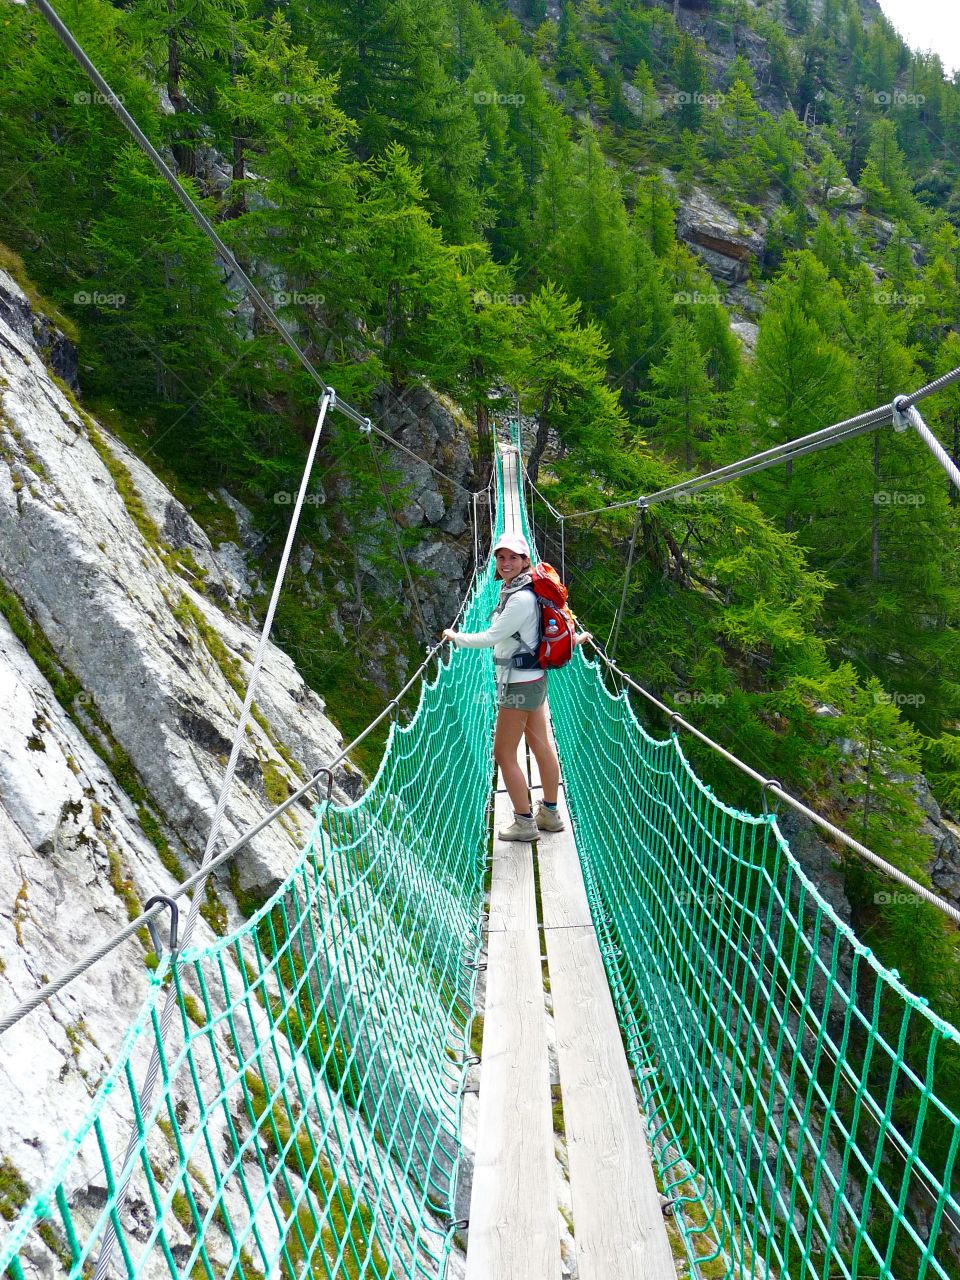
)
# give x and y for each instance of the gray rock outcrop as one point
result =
(717, 237)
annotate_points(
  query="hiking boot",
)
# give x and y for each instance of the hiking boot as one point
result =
(520, 829)
(549, 819)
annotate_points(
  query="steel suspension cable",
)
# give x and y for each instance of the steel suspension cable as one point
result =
(770, 786)
(152, 915)
(755, 462)
(170, 1002)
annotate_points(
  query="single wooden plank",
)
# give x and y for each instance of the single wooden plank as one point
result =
(513, 902)
(620, 1231)
(514, 1230)
(563, 897)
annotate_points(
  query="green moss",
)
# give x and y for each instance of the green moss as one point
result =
(476, 1036)
(76, 1033)
(122, 886)
(357, 1241)
(193, 1009)
(181, 1210)
(14, 1196)
(212, 910)
(14, 1192)
(559, 1128)
(151, 829)
(65, 685)
(13, 264)
(247, 901)
(274, 782)
(20, 910)
(126, 488)
(24, 452)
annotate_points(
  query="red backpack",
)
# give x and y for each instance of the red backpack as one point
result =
(558, 626)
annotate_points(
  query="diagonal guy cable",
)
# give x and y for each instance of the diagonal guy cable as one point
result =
(906, 413)
(70, 43)
(150, 1078)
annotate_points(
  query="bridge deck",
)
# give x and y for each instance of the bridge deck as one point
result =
(619, 1230)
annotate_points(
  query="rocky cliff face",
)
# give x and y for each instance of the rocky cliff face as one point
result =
(122, 665)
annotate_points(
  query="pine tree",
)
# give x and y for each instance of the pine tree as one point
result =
(801, 379)
(591, 253)
(301, 211)
(682, 403)
(644, 84)
(885, 180)
(562, 376)
(394, 83)
(416, 301)
(690, 77)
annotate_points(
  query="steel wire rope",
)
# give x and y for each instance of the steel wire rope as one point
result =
(56, 985)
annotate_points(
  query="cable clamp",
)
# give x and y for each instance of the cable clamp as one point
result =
(899, 409)
(329, 391)
(324, 799)
(770, 782)
(366, 426)
(676, 722)
(161, 899)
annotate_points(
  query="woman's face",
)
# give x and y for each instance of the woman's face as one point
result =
(509, 564)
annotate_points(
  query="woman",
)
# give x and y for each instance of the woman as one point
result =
(521, 693)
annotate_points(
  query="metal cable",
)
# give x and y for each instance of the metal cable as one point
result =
(912, 416)
(786, 452)
(56, 985)
(774, 788)
(130, 1162)
(938, 384)
(615, 633)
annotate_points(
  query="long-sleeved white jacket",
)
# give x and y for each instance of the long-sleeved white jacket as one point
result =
(518, 614)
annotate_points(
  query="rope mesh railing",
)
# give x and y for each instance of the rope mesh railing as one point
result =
(790, 1081)
(306, 1120)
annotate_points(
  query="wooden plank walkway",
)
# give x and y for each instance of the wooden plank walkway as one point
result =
(619, 1229)
(514, 1227)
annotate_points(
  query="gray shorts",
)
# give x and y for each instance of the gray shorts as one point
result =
(524, 695)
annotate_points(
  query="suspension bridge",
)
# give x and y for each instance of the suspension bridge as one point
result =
(745, 1091)
(731, 1062)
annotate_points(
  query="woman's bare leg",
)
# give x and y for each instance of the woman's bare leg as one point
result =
(510, 724)
(544, 753)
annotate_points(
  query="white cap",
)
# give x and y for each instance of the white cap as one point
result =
(515, 542)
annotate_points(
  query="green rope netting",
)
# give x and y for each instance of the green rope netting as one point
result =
(306, 1121)
(789, 1080)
